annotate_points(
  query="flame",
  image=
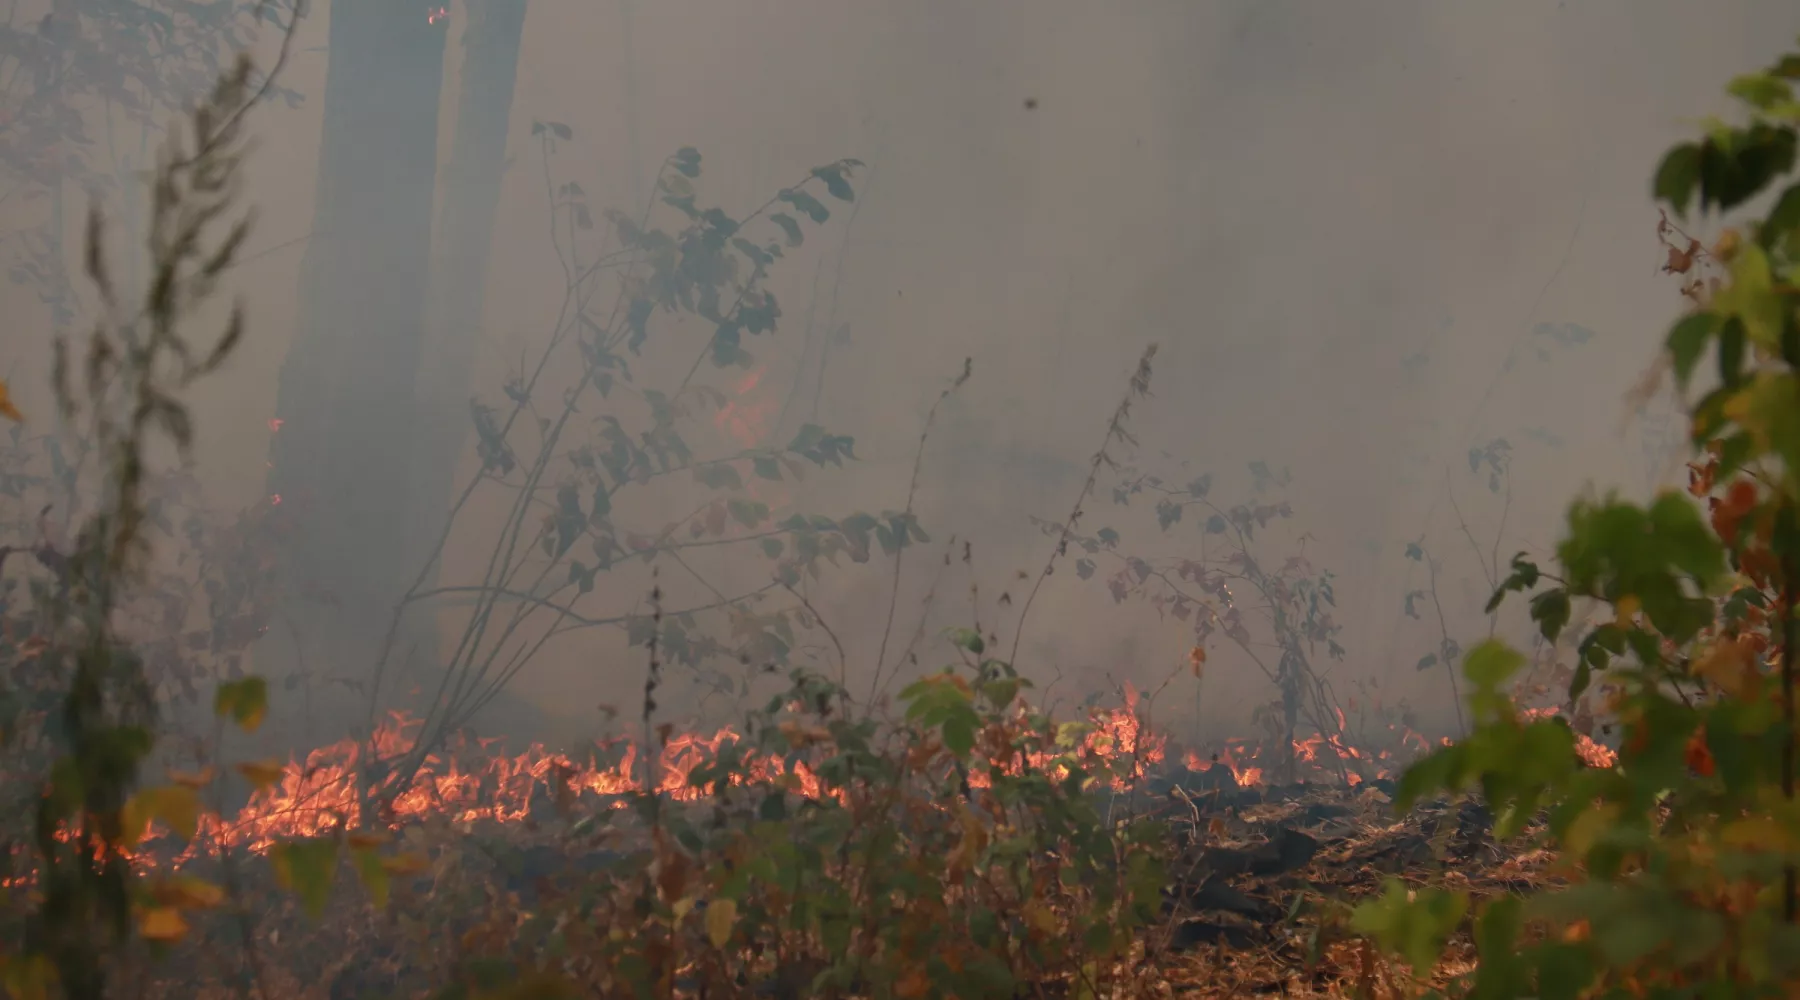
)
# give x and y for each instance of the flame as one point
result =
(747, 420)
(436, 14)
(320, 795)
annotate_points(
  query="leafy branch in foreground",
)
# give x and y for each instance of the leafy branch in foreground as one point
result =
(133, 367)
(1681, 850)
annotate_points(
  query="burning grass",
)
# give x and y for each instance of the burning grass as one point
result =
(508, 849)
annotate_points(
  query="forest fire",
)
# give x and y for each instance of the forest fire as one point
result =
(320, 795)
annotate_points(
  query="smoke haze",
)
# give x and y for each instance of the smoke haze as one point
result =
(1367, 238)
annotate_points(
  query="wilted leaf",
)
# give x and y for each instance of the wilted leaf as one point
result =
(261, 773)
(193, 779)
(7, 409)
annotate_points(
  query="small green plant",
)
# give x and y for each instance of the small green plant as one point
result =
(1278, 615)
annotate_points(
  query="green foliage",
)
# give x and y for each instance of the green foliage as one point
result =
(1683, 842)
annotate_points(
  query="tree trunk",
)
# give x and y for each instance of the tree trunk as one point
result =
(342, 449)
(459, 270)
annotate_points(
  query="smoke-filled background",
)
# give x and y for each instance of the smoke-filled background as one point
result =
(1371, 240)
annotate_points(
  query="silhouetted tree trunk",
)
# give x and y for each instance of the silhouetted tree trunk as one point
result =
(342, 451)
(459, 271)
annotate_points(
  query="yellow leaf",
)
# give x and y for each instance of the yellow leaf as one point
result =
(261, 773)
(1041, 918)
(7, 409)
(721, 916)
(175, 806)
(1730, 667)
(1757, 833)
(1727, 246)
(28, 977)
(162, 924)
(683, 907)
(188, 893)
(1627, 607)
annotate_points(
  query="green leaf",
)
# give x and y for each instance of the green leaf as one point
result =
(245, 701)
(718, 476)
(1735, 166)
(1676, 177)
(1783, 220)
(1415, 923)
(789, 226)
(1551, 610)
(748, 513)
(772, 547)
(1564, 971)
(306, 867)
(969, 639)
(1490, 664)
(1687, 343)
(812, 207)
(835, 182)
(767, 467)
(1761, 90)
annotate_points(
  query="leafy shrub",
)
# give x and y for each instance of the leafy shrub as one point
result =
(1680, 852)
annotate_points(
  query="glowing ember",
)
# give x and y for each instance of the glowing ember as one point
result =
(437, 14)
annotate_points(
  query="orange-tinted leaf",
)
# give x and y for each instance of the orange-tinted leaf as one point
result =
(163, 924)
